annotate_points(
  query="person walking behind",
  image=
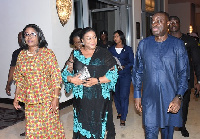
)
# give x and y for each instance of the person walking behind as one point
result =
(74, 38)
(12, 69)
(13, 64)
(194, 61)
(103, 42)
(125, 57)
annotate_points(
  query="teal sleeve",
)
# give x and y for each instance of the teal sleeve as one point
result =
(68, 85)
(112, 75)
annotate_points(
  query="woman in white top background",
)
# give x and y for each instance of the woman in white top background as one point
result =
(125, 57)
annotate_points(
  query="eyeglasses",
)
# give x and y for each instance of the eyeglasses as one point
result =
(33, 34)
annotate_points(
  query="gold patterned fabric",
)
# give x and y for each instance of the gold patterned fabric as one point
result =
(42, 123)
(37, 76)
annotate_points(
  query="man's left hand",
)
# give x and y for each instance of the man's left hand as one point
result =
(175, 105)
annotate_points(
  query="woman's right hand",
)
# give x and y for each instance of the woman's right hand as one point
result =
(16, 104)
(75, 80)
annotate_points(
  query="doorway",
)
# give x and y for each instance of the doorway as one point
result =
(105, 15)
(105, 19)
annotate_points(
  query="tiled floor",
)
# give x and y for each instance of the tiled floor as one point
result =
(132, 130)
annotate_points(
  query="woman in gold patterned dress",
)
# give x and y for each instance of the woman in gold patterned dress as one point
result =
(38, 80)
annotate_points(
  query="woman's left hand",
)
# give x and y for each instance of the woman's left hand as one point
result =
(90, 82)
(54, 105)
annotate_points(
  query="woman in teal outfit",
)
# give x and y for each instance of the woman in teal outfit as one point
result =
(91, 95)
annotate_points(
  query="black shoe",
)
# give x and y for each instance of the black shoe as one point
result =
(22, 134)
(184, 132)
(119, 116)
(122, 123)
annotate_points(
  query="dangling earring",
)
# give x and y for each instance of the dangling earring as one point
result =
(82, 42)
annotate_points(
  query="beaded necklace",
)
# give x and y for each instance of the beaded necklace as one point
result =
(32, 53)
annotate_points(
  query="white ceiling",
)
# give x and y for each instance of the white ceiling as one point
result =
(196, 2)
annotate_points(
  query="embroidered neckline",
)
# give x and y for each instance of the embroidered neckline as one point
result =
(81, 57)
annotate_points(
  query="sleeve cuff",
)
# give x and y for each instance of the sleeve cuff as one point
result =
(181, 91)
(57, 85)
(137, 94)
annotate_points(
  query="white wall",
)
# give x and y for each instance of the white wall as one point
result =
(15, 15)
(136, 4)
(182, 10)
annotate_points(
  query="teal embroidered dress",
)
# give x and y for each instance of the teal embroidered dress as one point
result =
(91, 104)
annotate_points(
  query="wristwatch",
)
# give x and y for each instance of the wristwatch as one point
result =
(98, 81)
(180, 97)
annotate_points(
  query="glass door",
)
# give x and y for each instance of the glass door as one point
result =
(105, 19)
(106, 15)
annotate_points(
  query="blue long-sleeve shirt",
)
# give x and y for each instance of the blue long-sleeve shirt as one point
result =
(126, 58)
(162, 69)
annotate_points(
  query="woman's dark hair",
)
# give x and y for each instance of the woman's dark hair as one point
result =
(85, 30)
(122, 37)
(41, 39)
(75, 33)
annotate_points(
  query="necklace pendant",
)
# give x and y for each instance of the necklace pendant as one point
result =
(32, 53)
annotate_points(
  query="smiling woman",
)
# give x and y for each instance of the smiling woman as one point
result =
(92, 99)
(38, 80)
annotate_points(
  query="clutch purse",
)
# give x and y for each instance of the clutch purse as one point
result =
(118, 63)
(85, 74)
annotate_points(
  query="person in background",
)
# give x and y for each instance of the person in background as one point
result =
(12, 68)
(13, 64)
(125, 57)
(195, 36)
(103, 42)
(194, 61)
(161, 68)
(75, 41)
(38, 79)
(74, 38)
(91, 94)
